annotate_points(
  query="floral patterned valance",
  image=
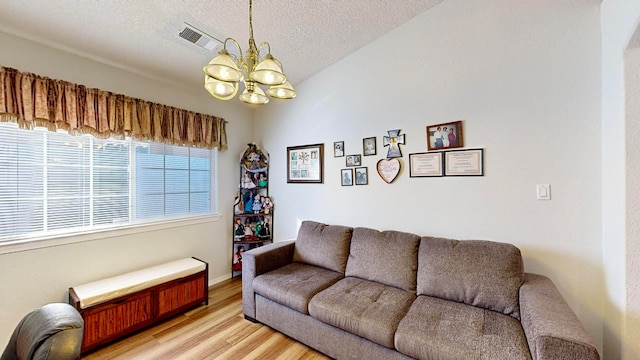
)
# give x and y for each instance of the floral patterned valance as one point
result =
(31, 100)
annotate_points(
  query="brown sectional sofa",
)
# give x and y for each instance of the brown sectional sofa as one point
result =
(361, 293)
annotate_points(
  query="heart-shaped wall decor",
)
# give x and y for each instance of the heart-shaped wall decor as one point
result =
(388, 169)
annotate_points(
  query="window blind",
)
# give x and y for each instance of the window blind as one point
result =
(53, 182)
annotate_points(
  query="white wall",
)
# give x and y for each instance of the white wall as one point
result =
(525, 77)
(619, 21)
(29, 279)
(632, 318)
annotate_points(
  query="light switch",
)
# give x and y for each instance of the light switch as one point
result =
(543, 191)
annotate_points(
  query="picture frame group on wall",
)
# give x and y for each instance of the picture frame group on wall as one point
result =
(445, 136)
(305, 164)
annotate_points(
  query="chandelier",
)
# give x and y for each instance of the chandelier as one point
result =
(225, 71)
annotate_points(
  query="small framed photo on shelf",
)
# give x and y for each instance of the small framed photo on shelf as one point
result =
(369, 146)
(426, 164)
(464, 162)
(346, 177)
(304, 164)
(354, 160)
(338, 149)
(444, 136)
(362, 176)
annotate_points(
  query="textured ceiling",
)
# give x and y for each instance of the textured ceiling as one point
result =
(142, 35)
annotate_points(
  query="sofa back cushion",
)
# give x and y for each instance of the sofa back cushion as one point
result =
(387, 257)
(485, 274)
(323, 245)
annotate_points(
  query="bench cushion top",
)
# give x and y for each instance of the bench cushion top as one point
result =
(107, 289)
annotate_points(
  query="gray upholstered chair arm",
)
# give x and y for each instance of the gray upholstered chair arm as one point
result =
(552, 329)
(52, 332)
(259, 261)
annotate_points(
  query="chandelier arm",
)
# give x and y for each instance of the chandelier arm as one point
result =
(279, 63)
(237, 45)
(268, 48)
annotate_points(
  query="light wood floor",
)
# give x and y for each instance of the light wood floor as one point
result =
(215, 331)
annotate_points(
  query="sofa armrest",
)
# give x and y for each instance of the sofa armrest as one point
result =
(552, 329)
(259, 261)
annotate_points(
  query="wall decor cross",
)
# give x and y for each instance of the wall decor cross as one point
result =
(393, 141)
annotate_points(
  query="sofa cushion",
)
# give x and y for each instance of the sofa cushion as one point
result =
(293, 285)
(481, 273)
(440, 329)
(368, 309)
(387, 257)
(323, 245)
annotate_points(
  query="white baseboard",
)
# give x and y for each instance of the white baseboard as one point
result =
(219, 279)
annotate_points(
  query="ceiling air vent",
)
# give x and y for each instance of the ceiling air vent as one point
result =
(199, 37)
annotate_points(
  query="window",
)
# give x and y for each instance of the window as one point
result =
(53, 183)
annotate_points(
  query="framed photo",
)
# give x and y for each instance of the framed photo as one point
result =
(305, 164)
(346, 177)
(444, 136)
(464, 162)
(338, 149)
(426, 164)
(369, 146)
(362, 176)
(354, 160)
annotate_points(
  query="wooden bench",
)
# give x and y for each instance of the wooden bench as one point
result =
(117, 306)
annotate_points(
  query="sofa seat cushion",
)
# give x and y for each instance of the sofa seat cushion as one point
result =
(293, 285)
(441, 329)
(368, 309)
(481, 273)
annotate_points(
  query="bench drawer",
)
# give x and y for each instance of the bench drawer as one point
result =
(108, 321)
(176, 296)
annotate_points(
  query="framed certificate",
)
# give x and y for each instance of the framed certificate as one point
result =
(426, 164)
(464, 162)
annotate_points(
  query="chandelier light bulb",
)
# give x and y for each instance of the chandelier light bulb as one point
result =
(220, 89)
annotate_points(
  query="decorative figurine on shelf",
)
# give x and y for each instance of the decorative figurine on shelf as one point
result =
(257, 204)
(237, 259)
(267, 205)
(248, 231)
(262, 180)
(247, 183)
(238, 206)
(238, 229)
(248, 202)
(258, 229)
(254, 159)
(265, 232)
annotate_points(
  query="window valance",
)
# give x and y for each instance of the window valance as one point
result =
(31, 100)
